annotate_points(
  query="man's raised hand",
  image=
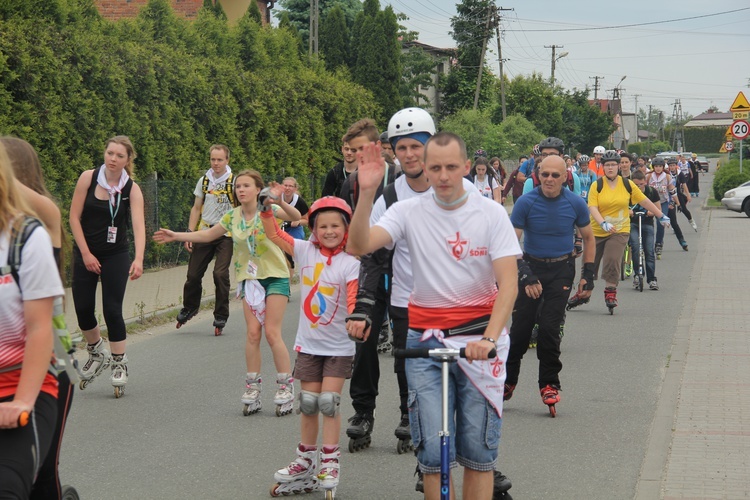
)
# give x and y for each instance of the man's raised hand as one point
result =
(371, 168)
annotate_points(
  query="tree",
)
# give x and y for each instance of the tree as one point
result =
(477, 130)
(417, 71)
(334, 39)
(470, 31)
(299, 13)
(533, 97)
(520, 136)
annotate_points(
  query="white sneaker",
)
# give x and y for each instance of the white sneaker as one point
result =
(653, 285)
(694, 225)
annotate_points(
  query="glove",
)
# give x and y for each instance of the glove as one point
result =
(525, 276)
(588, 274)
(664, 221)
(359, 317)
(578, 246)
(606, 226)
(265, 199)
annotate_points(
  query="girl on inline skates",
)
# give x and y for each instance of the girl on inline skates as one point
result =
(263, 281)
(328, 279)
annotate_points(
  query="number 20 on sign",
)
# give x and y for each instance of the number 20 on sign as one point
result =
(740, 129)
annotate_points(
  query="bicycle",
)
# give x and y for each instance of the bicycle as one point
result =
(641, 272)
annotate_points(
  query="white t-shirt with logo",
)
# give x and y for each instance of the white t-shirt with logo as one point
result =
(323, 291)
(215, 202)
(451, 254)
(402, 281)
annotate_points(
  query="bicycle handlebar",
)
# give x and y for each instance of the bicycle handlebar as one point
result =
(426, 352)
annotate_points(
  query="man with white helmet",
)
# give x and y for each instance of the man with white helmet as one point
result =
(595, 165)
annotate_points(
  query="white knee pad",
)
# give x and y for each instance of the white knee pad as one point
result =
(308, 402)
(329, 403)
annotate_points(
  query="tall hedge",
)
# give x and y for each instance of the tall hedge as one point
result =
(70, 79)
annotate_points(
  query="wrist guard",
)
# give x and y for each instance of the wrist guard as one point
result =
(578, 245)
(588, 274)
(525, 276)
(359, 317)
(266, 199)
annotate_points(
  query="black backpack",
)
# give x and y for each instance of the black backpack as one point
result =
(18, 237)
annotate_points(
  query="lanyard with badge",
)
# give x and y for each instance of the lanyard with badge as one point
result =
(252, 267)
(112, 230)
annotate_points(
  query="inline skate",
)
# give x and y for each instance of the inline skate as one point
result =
(550, 397)
(284, 397)
(99, 359)
(119, 373)
(508, 391)
(328, 477)
(610, 298)
(219, 324)
(360, 431)
(251, 397)
(384, 339)
(534, 336)
(403, 434)
(185, 315)
(575, 301)
(297, 477)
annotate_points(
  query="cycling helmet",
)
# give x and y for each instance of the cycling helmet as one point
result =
(583, 159)
(552, 143)
(657, 162)
(410, 121)
(599, 150)
(329, 203)
(536, 150)
(672, 161)
(480, 153)
(610, 156)
(384, 137)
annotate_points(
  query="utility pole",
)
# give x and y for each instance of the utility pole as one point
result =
(481, 57)
(314, 22)
(554, 59)
(500, 57)
(636, 116)
(596, 86)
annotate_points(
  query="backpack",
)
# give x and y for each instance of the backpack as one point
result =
(389, 195)
(569, 180)
(63, 344)
(227, 187)
(600, 185)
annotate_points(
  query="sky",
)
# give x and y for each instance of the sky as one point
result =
(702, 62)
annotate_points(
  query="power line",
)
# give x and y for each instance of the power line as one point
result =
(620, 26)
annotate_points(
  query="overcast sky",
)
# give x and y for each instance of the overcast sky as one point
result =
(702, 62)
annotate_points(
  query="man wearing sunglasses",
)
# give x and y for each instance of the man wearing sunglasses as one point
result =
(547, 217)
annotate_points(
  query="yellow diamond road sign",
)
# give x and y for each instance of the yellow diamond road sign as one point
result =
(728, 134)
(740, 104)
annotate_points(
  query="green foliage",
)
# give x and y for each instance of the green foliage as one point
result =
(254, 12)
(417, 72)
(298, 12)
(656, 147)
(174, 87)
(729, 177)
(476, 129)
(637, 148)
(704, 139)
(334, 39)
(520, 136)
(534, 98)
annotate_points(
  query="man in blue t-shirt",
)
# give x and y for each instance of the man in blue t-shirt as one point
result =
(547, 217)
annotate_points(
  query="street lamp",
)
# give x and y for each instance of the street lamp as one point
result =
(554, 60)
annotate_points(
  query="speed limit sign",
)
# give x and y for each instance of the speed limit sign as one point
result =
(729, 146)
(740, 129)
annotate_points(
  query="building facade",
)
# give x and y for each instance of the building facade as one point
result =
(235, 9)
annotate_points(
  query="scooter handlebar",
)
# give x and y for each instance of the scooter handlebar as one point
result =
(426, 352)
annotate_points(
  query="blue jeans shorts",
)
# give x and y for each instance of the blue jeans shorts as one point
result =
(473, 423)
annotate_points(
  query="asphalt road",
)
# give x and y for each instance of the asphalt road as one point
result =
(179, 431)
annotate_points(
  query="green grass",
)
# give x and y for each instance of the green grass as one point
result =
(713, 203)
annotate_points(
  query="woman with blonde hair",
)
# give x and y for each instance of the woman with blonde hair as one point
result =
(28, 386)
(104, 201)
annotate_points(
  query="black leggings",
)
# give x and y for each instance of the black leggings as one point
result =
(114, 278)
(20, 449)
(47, 485)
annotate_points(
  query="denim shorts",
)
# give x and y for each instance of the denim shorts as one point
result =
(473, 423)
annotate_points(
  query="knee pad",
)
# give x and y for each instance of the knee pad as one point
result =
(329, 403)
(308, 402)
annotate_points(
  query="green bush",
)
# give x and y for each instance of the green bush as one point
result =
(729, 177)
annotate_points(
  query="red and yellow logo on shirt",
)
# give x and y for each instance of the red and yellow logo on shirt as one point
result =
(315, 305)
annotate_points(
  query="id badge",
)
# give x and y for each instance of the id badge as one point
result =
(584, 193)
(111, 234)
(252, 269)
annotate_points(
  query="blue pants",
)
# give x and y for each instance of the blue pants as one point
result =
(647, 235)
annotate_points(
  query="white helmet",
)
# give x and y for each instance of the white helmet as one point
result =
(599, 150)
(410, 121)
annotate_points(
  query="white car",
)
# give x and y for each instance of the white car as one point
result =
(738, 199)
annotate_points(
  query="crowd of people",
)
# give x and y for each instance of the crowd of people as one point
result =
(410, 232)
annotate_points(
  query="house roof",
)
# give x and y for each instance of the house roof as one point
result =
(711, 120)
(450, 52)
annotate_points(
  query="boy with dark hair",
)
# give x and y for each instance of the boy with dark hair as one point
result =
(647, 230)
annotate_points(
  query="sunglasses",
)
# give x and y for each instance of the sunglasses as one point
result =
(554, 175)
